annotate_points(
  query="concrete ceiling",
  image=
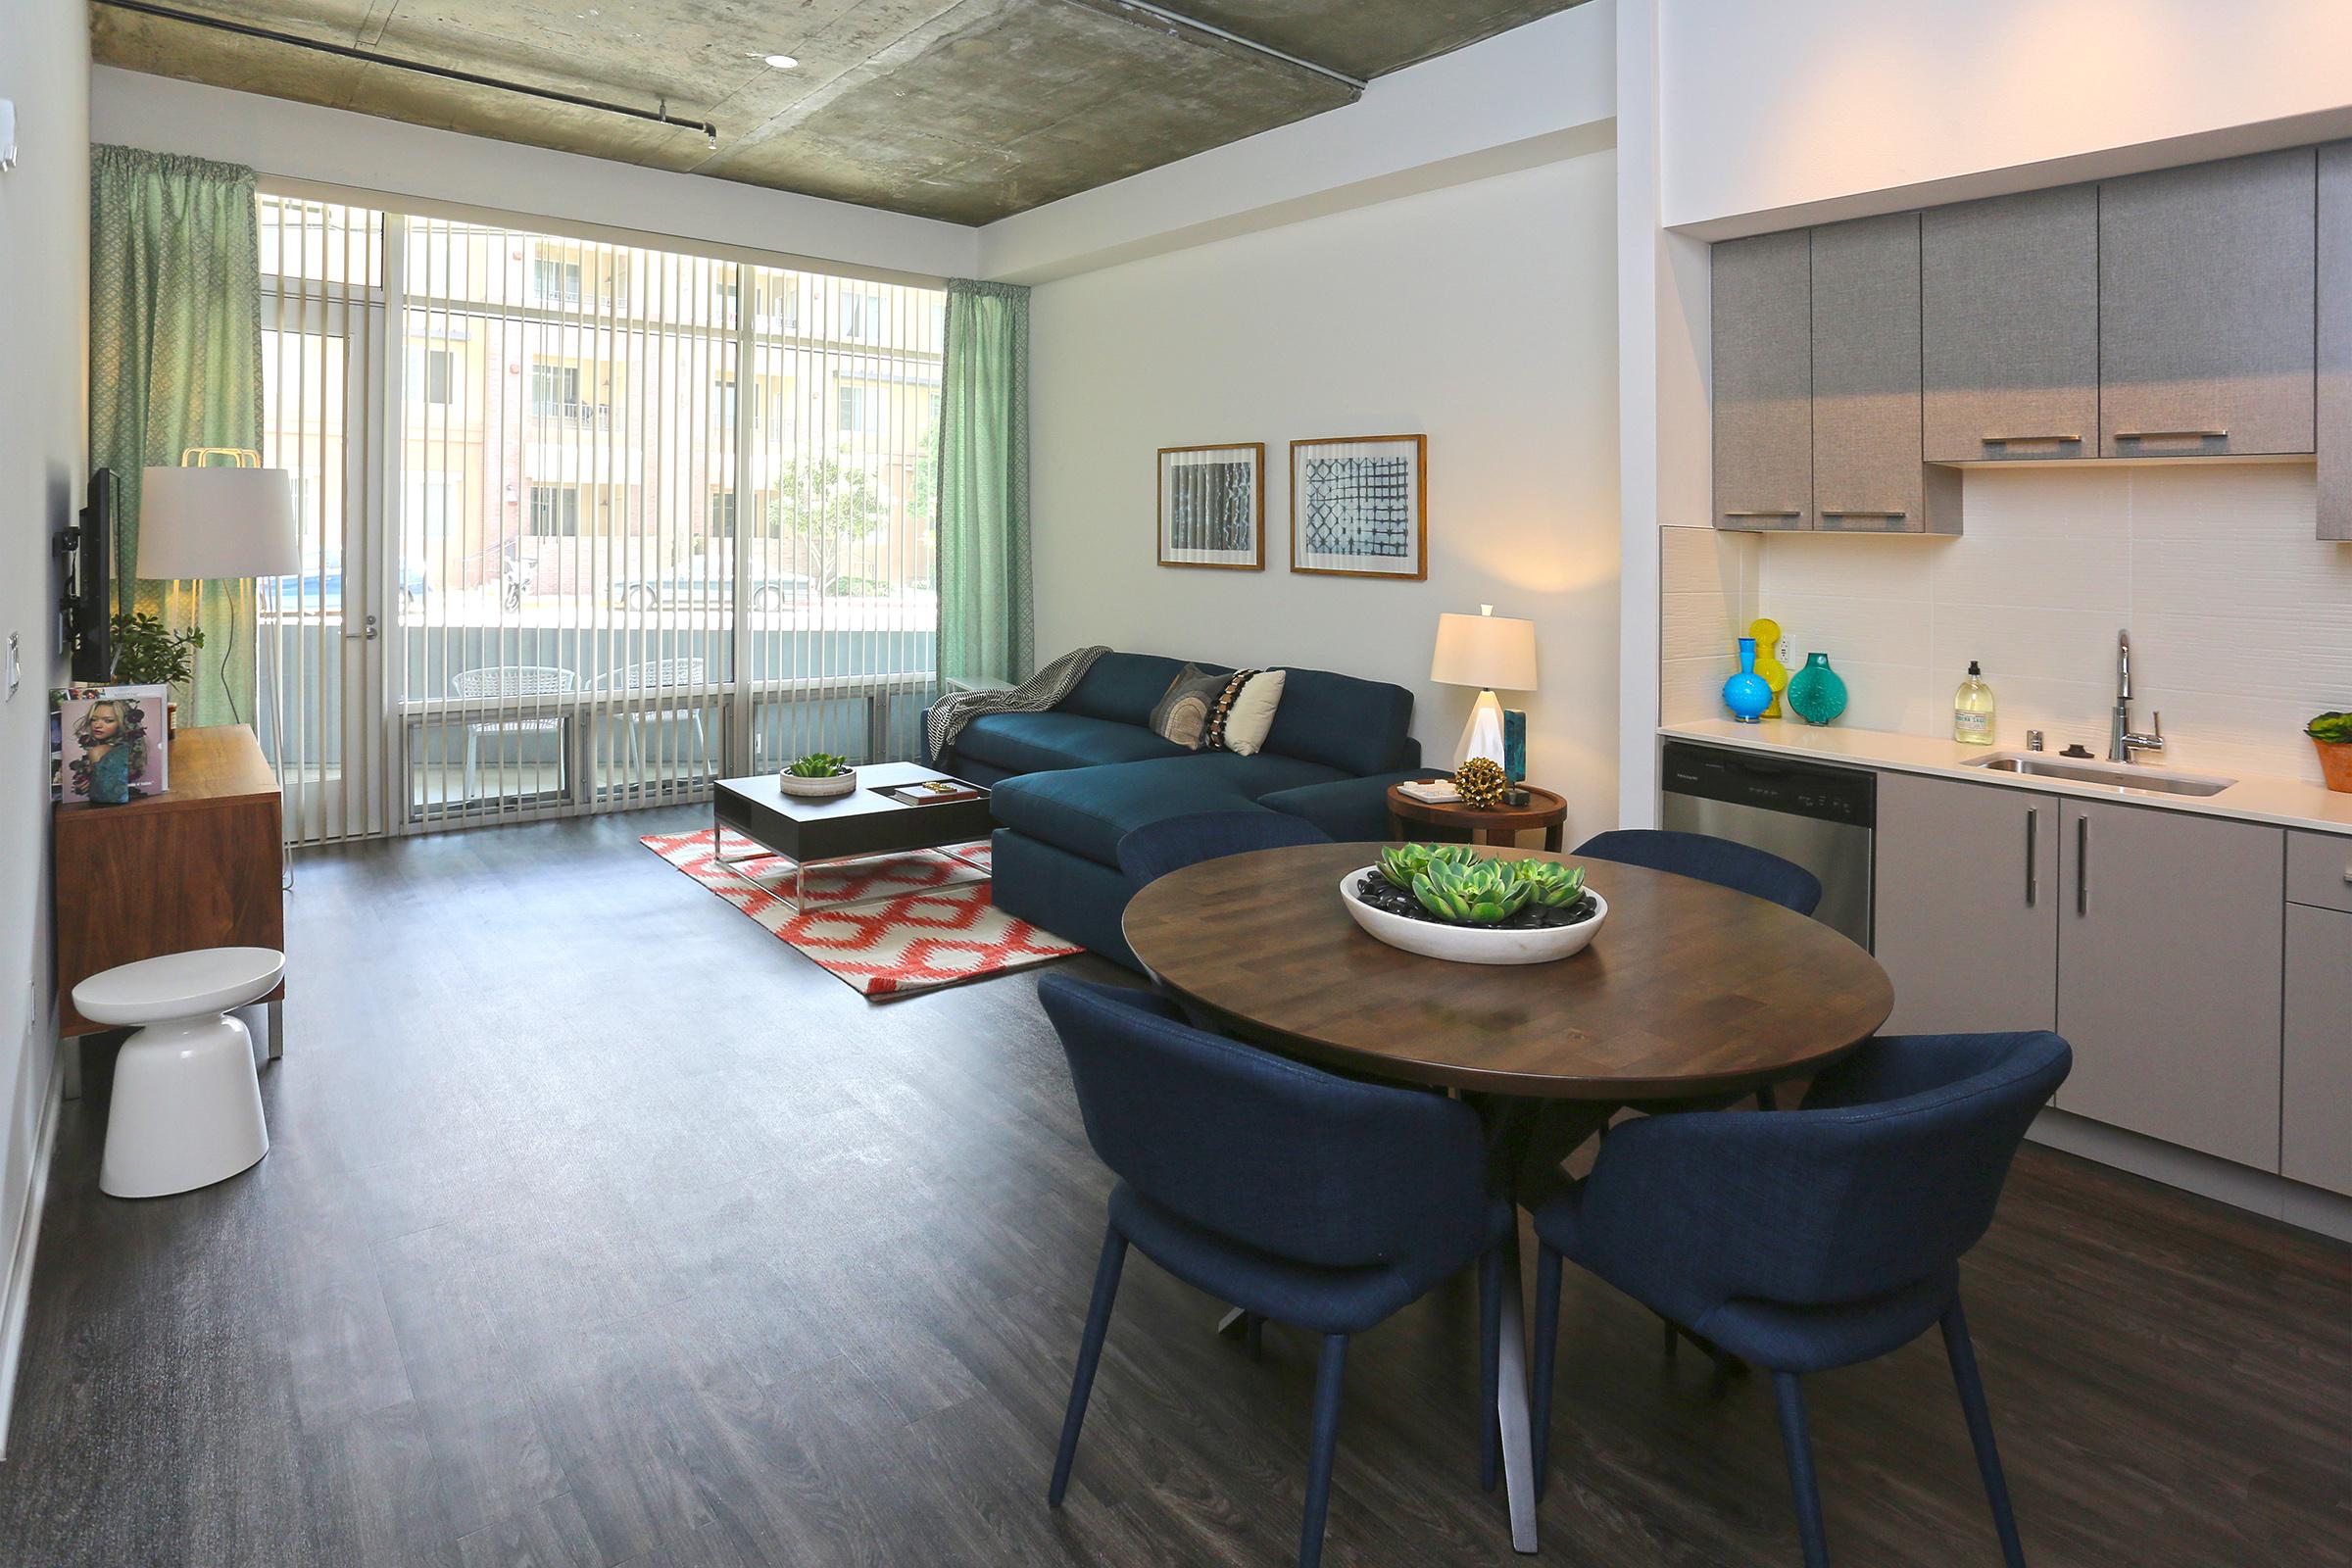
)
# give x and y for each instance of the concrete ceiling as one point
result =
(964, 109)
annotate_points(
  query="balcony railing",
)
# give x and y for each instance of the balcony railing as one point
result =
(564, 411)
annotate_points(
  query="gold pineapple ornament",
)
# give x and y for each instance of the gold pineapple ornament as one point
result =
(1481, 783)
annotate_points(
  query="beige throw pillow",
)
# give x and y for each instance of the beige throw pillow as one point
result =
(1249, 712)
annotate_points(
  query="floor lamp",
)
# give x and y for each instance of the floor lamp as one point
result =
(207, 522)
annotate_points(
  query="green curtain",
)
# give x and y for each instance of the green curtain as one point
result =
(175, 362)
(986, 627)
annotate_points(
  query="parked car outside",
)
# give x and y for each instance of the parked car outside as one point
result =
(321, 591)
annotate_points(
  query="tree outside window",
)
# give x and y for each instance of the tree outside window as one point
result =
(826, 507)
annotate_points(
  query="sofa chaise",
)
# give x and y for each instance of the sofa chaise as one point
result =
(1067, 784)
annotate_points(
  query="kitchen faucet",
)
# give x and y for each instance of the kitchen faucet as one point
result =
(2122, 740)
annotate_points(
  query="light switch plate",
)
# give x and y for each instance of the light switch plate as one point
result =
(8, 134)
(13, 670)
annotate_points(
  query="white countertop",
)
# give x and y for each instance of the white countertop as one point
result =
(2286, 801)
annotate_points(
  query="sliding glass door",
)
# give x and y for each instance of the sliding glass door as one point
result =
(623, 520)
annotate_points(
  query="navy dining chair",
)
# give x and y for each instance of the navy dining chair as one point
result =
(1741, 867)
(1816, 1238)
(1150, 852)
(1295, 1195)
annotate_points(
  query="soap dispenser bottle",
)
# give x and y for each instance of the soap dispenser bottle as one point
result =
(1972, 709)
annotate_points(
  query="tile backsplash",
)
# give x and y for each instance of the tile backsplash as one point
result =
(2241, 620)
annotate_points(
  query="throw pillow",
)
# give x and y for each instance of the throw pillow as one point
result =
(1183, 711)
(1246, 711)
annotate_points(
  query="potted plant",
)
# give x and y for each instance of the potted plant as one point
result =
(2332, 734)
(1447, 901)
(148, 653)
(819, 776)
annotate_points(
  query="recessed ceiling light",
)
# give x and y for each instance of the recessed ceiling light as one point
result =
(782, 61)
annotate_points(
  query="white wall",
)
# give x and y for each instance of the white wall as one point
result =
(44, 303)
(1533, 95)
(2240, 619)
(333, 146)
(1789, 107)
(1481, 314)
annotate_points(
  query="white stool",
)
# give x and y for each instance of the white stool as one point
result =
(187, 1106)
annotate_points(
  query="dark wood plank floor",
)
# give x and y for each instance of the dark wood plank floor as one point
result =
(602, 1229)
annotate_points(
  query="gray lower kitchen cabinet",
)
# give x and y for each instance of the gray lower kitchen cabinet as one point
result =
(2207, 309)
(2314, 1125)
(2335, 341)
(2169, 989)
(1967, 905)
(1867, 473)
(2009, 328)
(1763, 349)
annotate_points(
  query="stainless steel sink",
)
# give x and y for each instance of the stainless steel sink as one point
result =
(2109, 776)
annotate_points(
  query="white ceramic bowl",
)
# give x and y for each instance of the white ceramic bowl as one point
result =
(818, 789)
(1469, 943)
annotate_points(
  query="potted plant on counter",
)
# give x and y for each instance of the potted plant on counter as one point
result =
(1447, 901)
(2332, 734)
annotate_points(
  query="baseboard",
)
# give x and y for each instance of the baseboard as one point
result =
(27, 1235)
(2257, 1192)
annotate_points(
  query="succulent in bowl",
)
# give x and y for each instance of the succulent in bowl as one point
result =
(1474, 892)
(1548, 883)
(818, 765)
(1401, 863)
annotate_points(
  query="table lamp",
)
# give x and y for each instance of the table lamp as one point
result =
(1485, 650)
(212, 523)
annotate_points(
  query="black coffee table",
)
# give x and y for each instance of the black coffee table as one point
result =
(846, 827)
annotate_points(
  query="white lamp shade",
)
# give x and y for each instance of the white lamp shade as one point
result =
(1487, 651)
(217, 522)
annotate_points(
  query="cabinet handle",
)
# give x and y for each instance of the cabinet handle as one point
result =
(1862, 511)
(2171, 435)
(2007, 440)
(1766, 512)
(2081, 866)
(2032, 859)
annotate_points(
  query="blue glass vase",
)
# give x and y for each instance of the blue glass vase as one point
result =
(1747, 693)
(1817, 693)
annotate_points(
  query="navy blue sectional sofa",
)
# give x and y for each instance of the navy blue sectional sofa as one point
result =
(1066, 785)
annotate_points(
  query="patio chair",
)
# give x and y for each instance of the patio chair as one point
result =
(652, 676)
(509, 681)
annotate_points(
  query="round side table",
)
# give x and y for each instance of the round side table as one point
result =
(1501, 824)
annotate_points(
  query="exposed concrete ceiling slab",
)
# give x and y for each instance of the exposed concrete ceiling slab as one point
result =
(964, 109)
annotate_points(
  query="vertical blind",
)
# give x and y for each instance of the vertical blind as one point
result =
(642, 518)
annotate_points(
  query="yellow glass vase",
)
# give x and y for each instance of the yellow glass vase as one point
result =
(1775, 674)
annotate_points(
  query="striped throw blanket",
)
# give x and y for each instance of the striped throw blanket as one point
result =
(1044, 690)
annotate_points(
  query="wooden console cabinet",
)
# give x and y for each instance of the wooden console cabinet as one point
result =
(196, 866)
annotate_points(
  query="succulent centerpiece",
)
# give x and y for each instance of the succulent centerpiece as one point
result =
(1448, 900)
(817, 775)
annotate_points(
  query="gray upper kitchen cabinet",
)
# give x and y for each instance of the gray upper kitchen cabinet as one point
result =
(1967, 905)
(2335, 341)
(2169, 938)
(1868, 476)
(2207, 309)
(2314, 1125)
(1763, 351)
(2009, 328)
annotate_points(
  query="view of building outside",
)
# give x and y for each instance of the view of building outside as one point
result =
(600, 468)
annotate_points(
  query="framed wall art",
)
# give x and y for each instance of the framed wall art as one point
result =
(1359, 507)
(1212, 506)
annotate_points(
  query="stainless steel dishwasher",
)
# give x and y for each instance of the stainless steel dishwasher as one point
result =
(1823, 819)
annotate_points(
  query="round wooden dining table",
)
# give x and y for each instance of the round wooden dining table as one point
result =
(1687, 990)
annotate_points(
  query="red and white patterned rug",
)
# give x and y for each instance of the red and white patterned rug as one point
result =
(891, 926)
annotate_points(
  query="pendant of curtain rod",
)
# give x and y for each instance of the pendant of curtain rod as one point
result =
(245, 29)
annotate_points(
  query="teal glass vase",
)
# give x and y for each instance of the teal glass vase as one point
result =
(1817, 693)
(1747, 694)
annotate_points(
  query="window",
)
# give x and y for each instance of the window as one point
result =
(432, 376)
(853, 409)
(555, 390)
(555, 511)
(724, 411)
(862, 315)
(556, 282)
(723, 514)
